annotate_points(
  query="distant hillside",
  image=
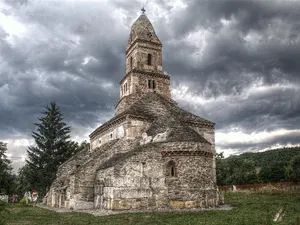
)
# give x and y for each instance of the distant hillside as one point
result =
(261, 167)
(276, 156)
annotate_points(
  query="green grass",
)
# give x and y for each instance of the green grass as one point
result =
(249, 208)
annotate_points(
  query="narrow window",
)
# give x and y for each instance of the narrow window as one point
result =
(153, 84)
(130, 62)
(149, 59)
(171, 169)
(125, 88)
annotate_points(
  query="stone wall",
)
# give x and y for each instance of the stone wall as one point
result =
(143, 182)
(127, 129)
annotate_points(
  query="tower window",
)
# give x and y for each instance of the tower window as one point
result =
(149, 59)
(171, 169)
(130, 62)
(125, 88)
(151, 84)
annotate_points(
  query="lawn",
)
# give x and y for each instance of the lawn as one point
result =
(249, 208)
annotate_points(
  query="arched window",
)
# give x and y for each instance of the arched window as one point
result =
(131, 63)
(149, 59)
(171, 169)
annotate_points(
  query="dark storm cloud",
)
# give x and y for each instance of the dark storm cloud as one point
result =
(74, 53)
(74, 59)
(228, 53)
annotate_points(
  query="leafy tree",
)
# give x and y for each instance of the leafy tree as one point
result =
(52, 148)
(234, 170)
(274, 172)
(241, 171)
(221, 170)
(6, 176)
(293, 169)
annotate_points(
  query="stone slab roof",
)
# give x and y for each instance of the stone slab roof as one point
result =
(163, 114)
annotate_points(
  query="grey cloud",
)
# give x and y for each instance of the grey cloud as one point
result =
(261, 44)
(280, 140)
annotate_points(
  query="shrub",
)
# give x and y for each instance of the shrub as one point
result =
(4, 209)
(23, 202)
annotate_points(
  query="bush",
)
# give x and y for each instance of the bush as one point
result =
(23, 202)
(4, 209)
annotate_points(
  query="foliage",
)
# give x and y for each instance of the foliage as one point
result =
(248, 208)
(234, 170)
(52, 147)
(280, 155)
(271, 166)
(23, 202)
(7, 178)
(293, 169)
(273, 173)
(4, 209)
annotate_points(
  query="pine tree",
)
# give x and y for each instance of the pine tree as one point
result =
(5, 170)
(52, 148)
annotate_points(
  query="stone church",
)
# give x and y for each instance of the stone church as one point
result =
(151, 154)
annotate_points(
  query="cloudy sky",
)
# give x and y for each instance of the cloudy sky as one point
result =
(234, 62)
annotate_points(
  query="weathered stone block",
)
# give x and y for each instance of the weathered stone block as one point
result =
(177, 204)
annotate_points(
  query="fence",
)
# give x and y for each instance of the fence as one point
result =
(254, 186)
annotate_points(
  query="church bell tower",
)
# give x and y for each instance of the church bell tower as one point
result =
(143, 65)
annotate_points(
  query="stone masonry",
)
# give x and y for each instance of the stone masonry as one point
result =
(151, 154)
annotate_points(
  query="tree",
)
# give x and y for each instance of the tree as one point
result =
(274, 172)
(293, 169)
(234, 170)
(6, 177)
(221, 171)
(52, 148)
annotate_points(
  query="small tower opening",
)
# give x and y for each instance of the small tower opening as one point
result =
(171, 169)
(149, 60)
(151, 84)
(131, 63)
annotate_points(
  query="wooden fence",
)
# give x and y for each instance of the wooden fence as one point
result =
(254, 186)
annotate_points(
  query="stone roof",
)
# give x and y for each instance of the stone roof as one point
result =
(142, 29)
(163, 114)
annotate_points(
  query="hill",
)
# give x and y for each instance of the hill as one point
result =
(276, 156)
(261, 167)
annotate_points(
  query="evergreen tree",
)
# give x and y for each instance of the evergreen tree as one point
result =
(52, 148)
(6, 177)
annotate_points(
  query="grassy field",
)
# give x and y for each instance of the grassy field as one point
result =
(249, 208)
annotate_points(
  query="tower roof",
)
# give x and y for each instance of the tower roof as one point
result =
(142, 29)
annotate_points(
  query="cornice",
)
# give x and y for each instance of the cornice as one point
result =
(143, 72)
(141, 41)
